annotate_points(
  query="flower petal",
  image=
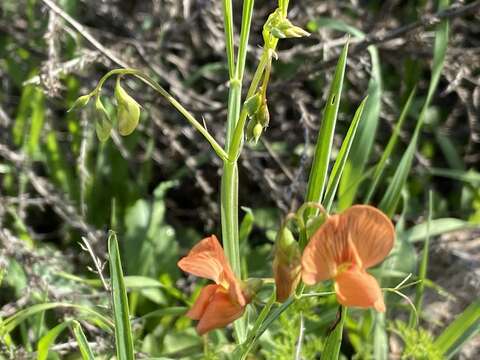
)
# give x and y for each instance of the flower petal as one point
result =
(359, 289)
(206, 259)
(205, 297)
(371, 232)
(325, 251)
(220, 312)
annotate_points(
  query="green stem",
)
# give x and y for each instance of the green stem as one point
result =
(229, 183)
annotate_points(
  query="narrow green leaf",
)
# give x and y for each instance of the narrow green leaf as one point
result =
(85, 350)
(331, 351)
(438, 227)
(422, 271)
(390, 201)
(463, 328)
(318, 172)
(382, 163)
(123, 331)
(342, 157)
(48, 339)
(13, 321)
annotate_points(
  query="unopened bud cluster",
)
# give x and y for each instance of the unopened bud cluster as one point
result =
(259, 116)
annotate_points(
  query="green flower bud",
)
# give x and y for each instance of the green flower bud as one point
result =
(249, 130)
(285, 28)
(80, 102)
(257, 132)
(128, 111)
(103, 124)
(263, 115)
(286, 264)
(252, 104)
(296, 32)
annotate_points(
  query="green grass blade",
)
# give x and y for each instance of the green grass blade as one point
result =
(13, 321)
(48, 339)
(123, 331)
(318, 173)
(382, 163)
(463, 328)
(422, 271)
(331, 351)
(85, 350)
(389, 202)
(438, 227)
(342, 157)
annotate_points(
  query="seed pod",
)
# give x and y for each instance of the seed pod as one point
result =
(80, 102)
(128, 111)
(286, 264)
(103, 124)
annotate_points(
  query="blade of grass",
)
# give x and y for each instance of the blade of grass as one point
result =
(422, 272)
(85, 350)
(389, 202)
(342, 157)
(382, 163)
(361, 147)
(123, 331)
(48, 339)
(318, 172)
(463, 328)
(331, 351)
(13, 321)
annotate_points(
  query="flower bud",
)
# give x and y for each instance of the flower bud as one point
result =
(80, 102)
(263, 115)
(257, 132)
(252, 104)
(285, 29)
(103, 124)
(249, 130)
(286, 264)
(128, 111)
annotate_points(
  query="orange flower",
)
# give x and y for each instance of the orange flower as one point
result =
(343, 248)
(218, 304)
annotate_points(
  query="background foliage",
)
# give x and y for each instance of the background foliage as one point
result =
(61, 189)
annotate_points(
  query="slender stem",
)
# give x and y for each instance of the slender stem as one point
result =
(229, 183)
(228, 23)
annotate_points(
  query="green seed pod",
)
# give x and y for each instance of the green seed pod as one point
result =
(103, 124)
(128, 111)
(263, 115)
(80, 102)
(252, 104)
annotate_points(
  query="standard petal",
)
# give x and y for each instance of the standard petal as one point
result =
(205, 297)
(326, 250)
(371, 232)
(357, 288)
(220, 312)
(206, 259)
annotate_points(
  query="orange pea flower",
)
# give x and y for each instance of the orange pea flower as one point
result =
(218, 304)
(343, 248)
